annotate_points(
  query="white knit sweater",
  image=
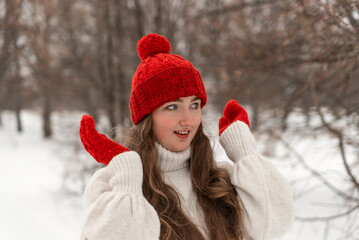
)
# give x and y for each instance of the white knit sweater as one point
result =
(115, 208)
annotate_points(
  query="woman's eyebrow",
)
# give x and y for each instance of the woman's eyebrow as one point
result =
(180, 100)
(195, 99)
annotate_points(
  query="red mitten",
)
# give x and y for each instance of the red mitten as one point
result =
(98, 145)
(232, 112)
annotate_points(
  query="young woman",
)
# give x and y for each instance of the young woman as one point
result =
(164, 183)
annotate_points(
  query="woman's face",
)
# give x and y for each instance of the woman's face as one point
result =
(175, 123)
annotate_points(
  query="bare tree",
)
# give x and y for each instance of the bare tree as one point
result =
(9, 61)
(286, 55)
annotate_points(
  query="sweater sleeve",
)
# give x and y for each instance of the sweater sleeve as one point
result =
(114, 206)
(263, 192)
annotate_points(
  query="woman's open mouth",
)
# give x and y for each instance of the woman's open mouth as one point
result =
(182, 134)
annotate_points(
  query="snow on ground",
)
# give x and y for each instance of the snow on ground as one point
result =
(33, 204)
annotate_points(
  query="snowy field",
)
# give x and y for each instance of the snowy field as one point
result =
(36, 203)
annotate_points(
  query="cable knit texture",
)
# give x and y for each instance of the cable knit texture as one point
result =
(116, 209)
(264, 193)
(114, 205)
(161, 77)
(232, 112)
(98, 145)
(129, 164)
(240, 146)
(172, 161)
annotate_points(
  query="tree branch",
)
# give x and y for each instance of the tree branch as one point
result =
(314, 172)
(327, 218)
(336, 133)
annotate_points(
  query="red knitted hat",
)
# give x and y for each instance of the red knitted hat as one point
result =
(161, 77)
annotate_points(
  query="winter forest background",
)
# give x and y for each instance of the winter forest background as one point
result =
(293, 64)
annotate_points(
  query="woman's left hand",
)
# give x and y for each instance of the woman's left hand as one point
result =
(232, 112)
(98, 145)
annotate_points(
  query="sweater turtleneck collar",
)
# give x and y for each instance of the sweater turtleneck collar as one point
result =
(172, 161)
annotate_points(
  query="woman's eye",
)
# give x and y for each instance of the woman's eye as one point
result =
(171, 107)
(195, 105)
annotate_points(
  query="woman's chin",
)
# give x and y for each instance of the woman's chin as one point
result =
(178, 147)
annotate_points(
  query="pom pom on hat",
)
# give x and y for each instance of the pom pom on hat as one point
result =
(152, 44)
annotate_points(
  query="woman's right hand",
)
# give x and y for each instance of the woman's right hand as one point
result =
(232, 112)
(98, 145)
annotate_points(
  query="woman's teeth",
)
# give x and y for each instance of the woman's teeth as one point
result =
(182, 133)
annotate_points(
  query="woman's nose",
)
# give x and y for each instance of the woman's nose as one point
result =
(186, 118)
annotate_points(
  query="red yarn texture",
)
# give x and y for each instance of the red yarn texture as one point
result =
(161, 77)
(232, 112)
(98, 145)
(152, 44)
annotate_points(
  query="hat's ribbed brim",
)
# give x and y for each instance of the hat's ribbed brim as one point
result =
(166, 86)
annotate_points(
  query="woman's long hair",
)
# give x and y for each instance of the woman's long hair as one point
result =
(216, 194)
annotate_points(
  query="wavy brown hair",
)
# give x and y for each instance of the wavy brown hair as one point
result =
(216, 195)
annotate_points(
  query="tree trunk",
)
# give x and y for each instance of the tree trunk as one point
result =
(7, 36)
(18, 96)
(158, 17)
(255, 117)
(122, 87)
(284, 124)
(123, 104)
(18, 120)
(139, 19)
(46, 117)
(110, 70)
(93, 103)
(0, 117)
